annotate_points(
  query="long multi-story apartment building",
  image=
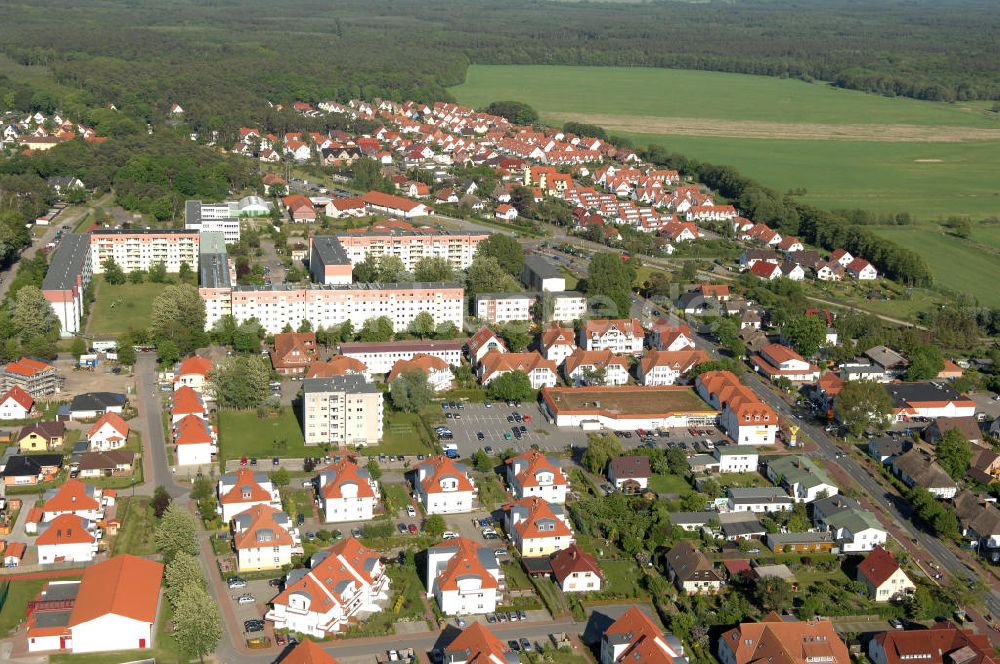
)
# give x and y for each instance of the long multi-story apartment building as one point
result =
(329, 306)
(141, 249)
(66, 281)
(380, 357)
(216, 276)
(342, 410)
(223, 217)
(410, 245)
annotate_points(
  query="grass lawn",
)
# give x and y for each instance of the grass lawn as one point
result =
(957, 264)
(741, 480)
(515, 577)
(402, 433)
(621, 577)
(243, 433)
(297, 500)
(665, 483)
(842, 158)
(491, 493)
(138, 522)
(118, 309)
(395, 497)
(14, 609)
(571, 280)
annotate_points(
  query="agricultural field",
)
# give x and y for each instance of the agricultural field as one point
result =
(845, 148)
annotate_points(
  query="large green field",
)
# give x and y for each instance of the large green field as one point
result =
(118, 309)
(845, 148)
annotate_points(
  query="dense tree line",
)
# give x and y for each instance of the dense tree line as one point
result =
(220, 60)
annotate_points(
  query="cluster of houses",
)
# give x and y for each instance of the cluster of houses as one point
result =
(787, 257)
(195, 439)
(38, 132)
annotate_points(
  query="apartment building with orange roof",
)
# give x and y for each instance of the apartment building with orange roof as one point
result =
(536, 527)
(342, 584)
(240, 490)
(666, 367)
(789, 641)
(634, 637)
(37, 378)
(439, 376)
(347, 492)
(747, 419)
(533, 474)
(464, 577)
(541, 372)
(623, 336)
(595, 367)
(443, 486)
(263, 538)
(476, 644)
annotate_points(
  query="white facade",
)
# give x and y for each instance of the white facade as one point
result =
(195, 454)
(612, 338)
(581, 582)
(111, 632)
(380, 358)
(564, 307)
(330, 306)
(504, 307)
(12, 410)
(470, 584)
(443, 486)
(347, 492)
(532, 474)
(140, 250)
(342, 410)
(243, 489)
(214, 218)
(737, 459)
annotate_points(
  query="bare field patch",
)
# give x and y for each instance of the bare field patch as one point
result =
(687, 126)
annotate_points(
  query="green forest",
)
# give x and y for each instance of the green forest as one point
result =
(222, 59)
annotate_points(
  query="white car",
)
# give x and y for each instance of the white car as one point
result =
(411, 511)
(449, 534)
(246, 599)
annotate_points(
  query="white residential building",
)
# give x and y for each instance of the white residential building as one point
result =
(737, 458)
(443, 486)
(243, 489)
(595, 367)
(343, 584)
(504, 307)
(665, 367)
(341, 410)
(381, 357)
(623, 336)
(464, 577)
(575, 570)
(347, 492)
(557, 343)
(541, 372)
(747, 419)
(264, 538)
(67, 538)
(532, 474)
(141, 249)
(536, 527)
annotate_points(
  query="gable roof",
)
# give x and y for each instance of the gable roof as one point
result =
(345, 471)
(308, 652)
(482, 337)
(630, 327)
(244, 479)
(630, 466)
(495, 361)
(878, 566)
(646, 643)
(681, 361)
(535, 513)
(597, 358)
(556, 335)
(331, 573)
(786, 642)
(439, 467)
(688, 563)
(47, 430)
(477, 645)
(536, 462)
(419, 362)
(338, 365)
(22, 398)
(571, 560)
(72, 496)
(464, 562)
(261, 526)
(27, 367)
(187, 402)
(940, 644)
(65, 529)
(192, 430)
(125, 585)
(114, 420)
(194, 365)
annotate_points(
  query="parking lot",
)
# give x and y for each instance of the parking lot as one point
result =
(492, 422)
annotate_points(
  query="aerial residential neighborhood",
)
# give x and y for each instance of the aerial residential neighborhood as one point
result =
(360, 373)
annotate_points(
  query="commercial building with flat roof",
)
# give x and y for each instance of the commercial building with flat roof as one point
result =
(541, 275)
(328, 262)
(66, 281)
(626, 407)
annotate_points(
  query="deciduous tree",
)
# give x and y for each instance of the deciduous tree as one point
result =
(864, 406)
(240, 381)
(511, 386)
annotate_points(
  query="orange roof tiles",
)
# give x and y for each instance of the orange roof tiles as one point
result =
(115, 420)
(554, 335)
(192, 430)
(125, 585)
(630, 327)
(646, 642)
(478, 645)
(440, 467)
(194, 365)
(419, 362)
(27, 367)
(538, 511)
(261, 519)
(795, 642)
(187, 402)
(495, 361)
(483, 336)
(72, 496)
(736, 396)
(245, 490)
(65, 529)
(348, 560)
(308, 652)
(596, 358)
(536, 463)
(338, 365)
(465, 562)
(344, 472)
(681, 361)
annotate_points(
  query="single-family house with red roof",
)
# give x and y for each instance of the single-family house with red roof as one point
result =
(16, 404)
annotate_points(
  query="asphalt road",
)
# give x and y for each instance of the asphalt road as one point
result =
(148, 398)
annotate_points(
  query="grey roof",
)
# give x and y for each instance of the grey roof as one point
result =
(855, 520)
(192, 213)
(739, 528)
(688, 563)
(924, 391)
(353, 383)
(105, 460)
(20, 465)
(506, 296)
(62, 590)
(886, 357)
(757, 493)
(52, 618)
(888, 446)
(330, 250)
(630, 466)
(96, 401)
(692, 518)
(213, 270)
(798, 538)
(67, 263)
(541, 268)
(212, 242)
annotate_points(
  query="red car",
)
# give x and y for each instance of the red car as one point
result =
(412, 528)
(280, 639)
(527, 418)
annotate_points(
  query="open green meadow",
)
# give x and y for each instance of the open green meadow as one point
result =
(845, 148)
(118, 309)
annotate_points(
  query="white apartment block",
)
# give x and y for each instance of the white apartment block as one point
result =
(504, 307)
(537, 528)
(243, 489)
(618, 336)
(411, 245)
(330, 306)
(66, 281)
(141, 249)
(443, 486)
(342, 584)
(342, 410)
(381, 357)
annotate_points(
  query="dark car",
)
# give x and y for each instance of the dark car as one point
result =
(510, 418)
(480, 436)
(275, 461)
(525, 644)
(253, 461)
(514, 645)
(402, 528)
(254, 625)
(300, 518)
